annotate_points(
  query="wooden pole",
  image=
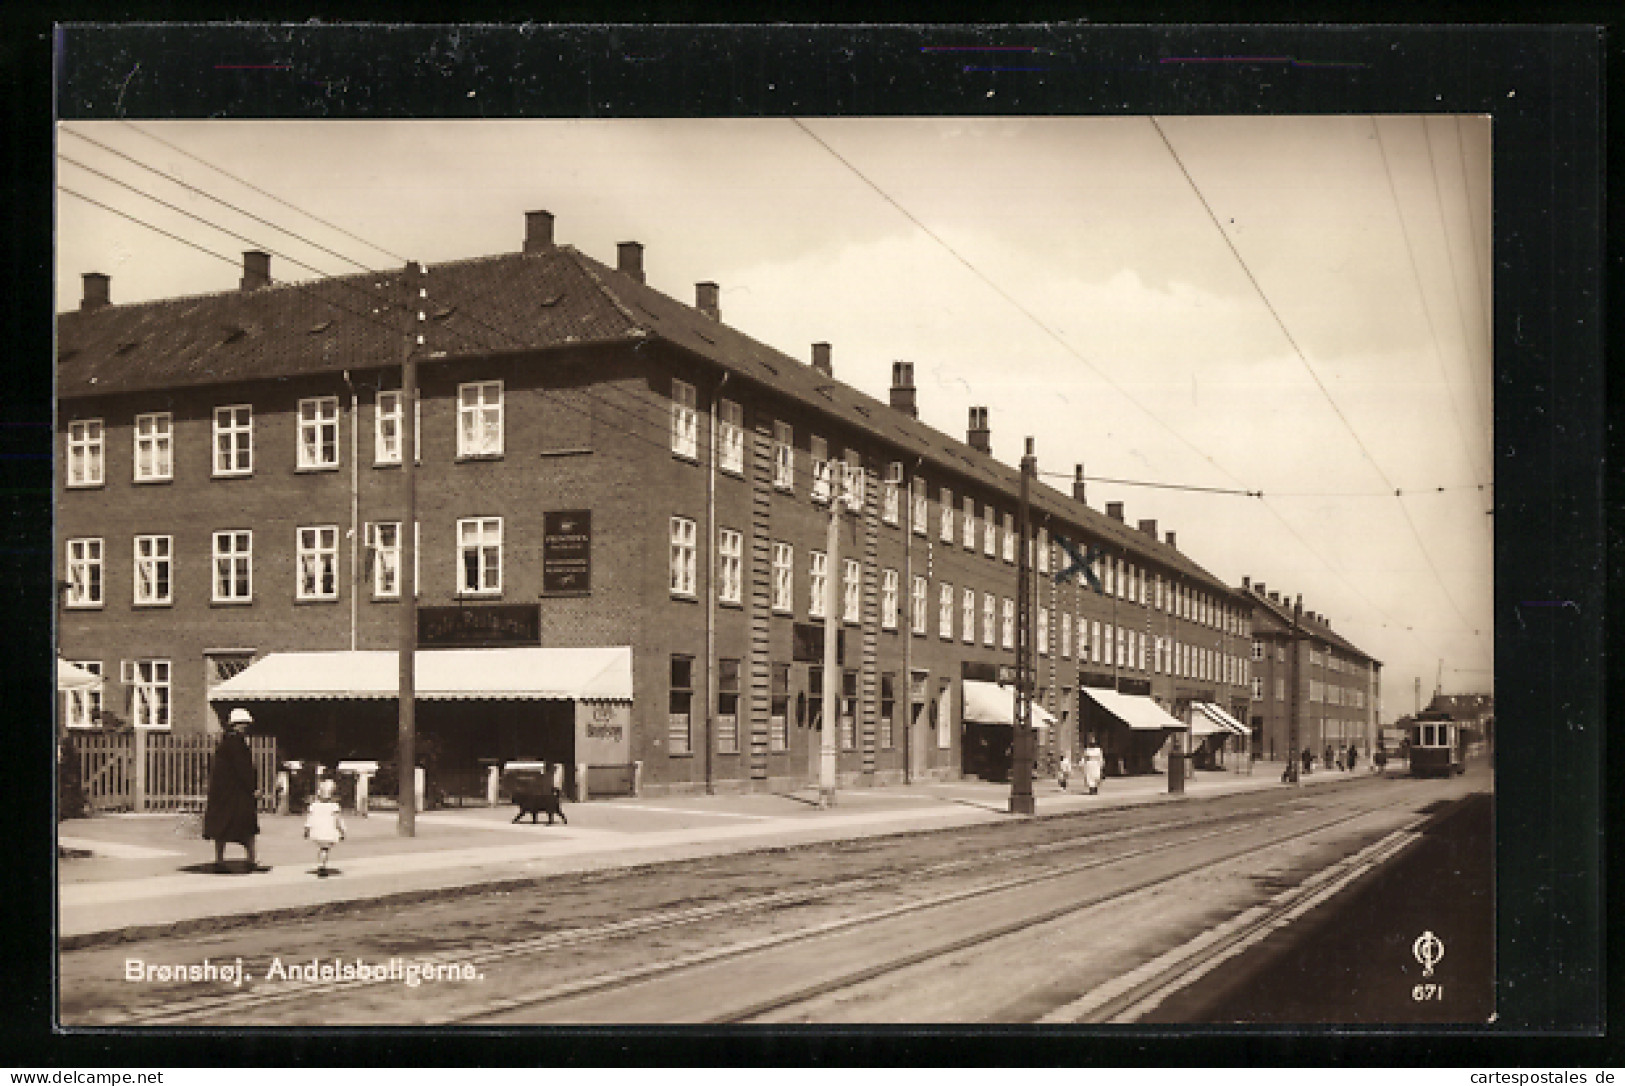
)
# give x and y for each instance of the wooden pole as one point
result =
(406, 752)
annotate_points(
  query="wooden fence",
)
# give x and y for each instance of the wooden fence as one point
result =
(158, 771)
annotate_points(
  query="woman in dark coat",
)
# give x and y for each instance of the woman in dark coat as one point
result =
(230, 814)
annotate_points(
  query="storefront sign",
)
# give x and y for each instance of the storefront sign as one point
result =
(484, 626)
(567, 553)
(603, 733)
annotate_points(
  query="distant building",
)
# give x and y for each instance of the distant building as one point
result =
(1338, 685)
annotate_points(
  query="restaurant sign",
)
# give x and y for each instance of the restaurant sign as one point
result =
(567, 553)
(484, 626)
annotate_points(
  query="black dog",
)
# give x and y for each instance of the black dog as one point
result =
(539, 801)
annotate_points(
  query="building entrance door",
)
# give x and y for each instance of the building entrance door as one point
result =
(919, 719)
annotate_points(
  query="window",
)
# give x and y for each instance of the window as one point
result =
(817, 582)
(1043, 550)
(1280, 689)
(967, 617)
(1066, 634)
(1007, 625)
(917, 606)
(784, 456)
(384, 556)
(1043, 631)
(1009, 538)
(853, 479)
(822, 470)
(85, 459)
(1096, 652)
(234, 440)
(921, 509)
(233, 567)
(154, 448)
(679, 713)
(318, 563)
(319, 432)
(851, 591)
(1258, 650)
(784, 577)
(989, 531)
(1280, 654)
(1158, 660)
(1112, 656)
(968, 528)
(888, 599)
(1157, 592)
(84, 573)
(149, 697)
(849, 710)
(730, 437)
(888, 709)
(152, 569)
(889, 503)
(778, 718)
(1106, 582)
(685, 426)
(479, 554)
(945, 504)
(479, 419)
(945, 611)
(1258, 688)
(386, 437)
(988, 618)
(682, 557)
(727, 706)
(730, 557)
(83, 707)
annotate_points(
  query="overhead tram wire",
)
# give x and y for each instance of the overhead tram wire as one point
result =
(1078, 355)
(268, 195)
(1484, 287)
(1330, 399)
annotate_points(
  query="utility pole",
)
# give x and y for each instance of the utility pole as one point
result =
(1293, 738)
(1021, 746)
(406, 752)
(832, 632)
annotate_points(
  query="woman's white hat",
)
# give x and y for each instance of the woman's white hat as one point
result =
(241, 716)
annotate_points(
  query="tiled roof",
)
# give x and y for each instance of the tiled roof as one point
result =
(498, 304)
(1281, 613)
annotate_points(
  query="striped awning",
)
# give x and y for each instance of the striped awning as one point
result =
(1219, 717)
(1138, 712)
(523, 674)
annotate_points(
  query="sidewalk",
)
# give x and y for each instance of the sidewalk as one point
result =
(139, 874)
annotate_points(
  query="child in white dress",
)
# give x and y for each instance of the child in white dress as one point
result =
(323, 824)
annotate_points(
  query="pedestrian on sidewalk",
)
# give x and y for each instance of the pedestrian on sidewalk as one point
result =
(323, 824)
(229, 815)
(1063, 770)
(1094, 766)
(1354, 756)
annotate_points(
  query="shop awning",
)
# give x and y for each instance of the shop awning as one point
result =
(1138, 712)
(73, 677)
(1218, 716)
(526, 674)
(990, 703)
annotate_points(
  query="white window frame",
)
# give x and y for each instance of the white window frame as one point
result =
(851, 591)
(989, 618)
(967, 516)
(817, 583)
(150, 699)
(233, 434)
(1043, 550)
(82, 706)
(730, 437)
(236, 558)
(86, 572)
(1043, 631)
(921, 508)
(784, 457)
(154, 569)
(990, 529)
(853, 482)
(486, 543)
(888, 599)
(318, 433)
(316, 548)
(823, 470)
(945, 611)
(386, 428)
(153, 437)
(784, 578)
(1009, 537)
(481, 423)
(1007, 624)
(87, 453)
(730, 565)
(890, 503)
(919, 603)
(386, 558)
(685, 420)
(1258, 687)
(684, 558)
(1066, 635)
(946, 503)
(1280, 689)
(967, 617)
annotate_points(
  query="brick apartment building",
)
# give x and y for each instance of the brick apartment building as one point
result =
(1339, 686)
(601, 469)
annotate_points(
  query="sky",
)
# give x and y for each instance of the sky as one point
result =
(1297, 306)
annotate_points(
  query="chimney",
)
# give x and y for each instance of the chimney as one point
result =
(1297, 607)
(96, 291)
(1114, 510)
(976, 434)
(820, 359)
(538, 231)
(1275, 597)
(902, 389)
(1149, 527)
(1246, 583)
(256, 270)
(1077, 485)
(707, 300)
(1173, 541)
(629, 259)
(1259, 588)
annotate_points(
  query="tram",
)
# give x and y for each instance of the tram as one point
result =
(1435, 746)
